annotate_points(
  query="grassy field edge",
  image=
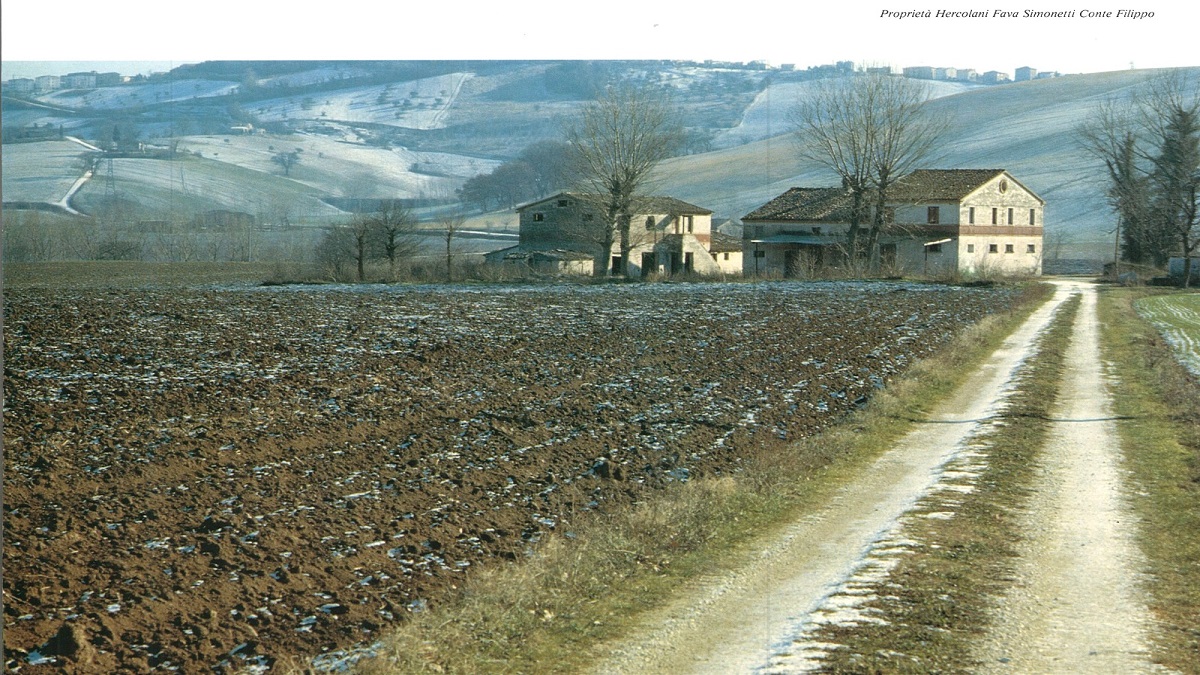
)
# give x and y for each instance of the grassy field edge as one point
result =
(588, 586)
(1157, 403)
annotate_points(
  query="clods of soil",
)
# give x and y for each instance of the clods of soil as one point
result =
(215, 478)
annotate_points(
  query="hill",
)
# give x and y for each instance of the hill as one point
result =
(418, 130)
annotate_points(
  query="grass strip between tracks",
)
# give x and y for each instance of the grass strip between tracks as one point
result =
(934, 604)
(1157, 403)
(580, 589)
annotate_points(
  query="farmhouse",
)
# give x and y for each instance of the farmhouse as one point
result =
(936, 221)
(563, 234)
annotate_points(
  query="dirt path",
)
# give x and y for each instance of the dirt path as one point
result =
(1076, 606)
(750, 620)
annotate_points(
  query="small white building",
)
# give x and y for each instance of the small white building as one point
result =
(936, 221)
(563, 234)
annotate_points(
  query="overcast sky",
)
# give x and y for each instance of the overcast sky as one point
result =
(156, 36)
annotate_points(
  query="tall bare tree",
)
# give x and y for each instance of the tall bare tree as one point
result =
(1150, 146)
(870, 129)
(394, 227)
(451, 223)
(1112, 136)
(1174, 120)
(616, 142)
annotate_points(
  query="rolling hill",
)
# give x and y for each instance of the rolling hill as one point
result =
(418, 130)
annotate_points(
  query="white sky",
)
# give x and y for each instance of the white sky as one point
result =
(775, 31)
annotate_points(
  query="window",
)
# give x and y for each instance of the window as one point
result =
(563, 202)
(649, 222)
(727, 256)
(1032, 216)
(971, 215)
(993, 248)
(1010, 216)
(934, 248)
(1003, 186)
(539, 217)
(995, 216)
(1031, 248)
(687, 223)
(970, 248)
(933, 215)
(1008, 248)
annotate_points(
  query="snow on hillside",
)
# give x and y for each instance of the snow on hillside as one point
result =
(419, 104)
(1027, 128)
(193, 183)
(40, 172)
(769, 114)
(138, 95)
(339, 168)
(314, 76)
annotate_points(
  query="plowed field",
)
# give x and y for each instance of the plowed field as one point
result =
(214, 478)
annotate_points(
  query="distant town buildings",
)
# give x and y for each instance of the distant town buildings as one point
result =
(44, 84)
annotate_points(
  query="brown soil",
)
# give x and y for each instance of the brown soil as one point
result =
(215, 478)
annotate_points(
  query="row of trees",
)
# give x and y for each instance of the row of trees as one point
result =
(539, 170)
(389, 233)
(1150, 147)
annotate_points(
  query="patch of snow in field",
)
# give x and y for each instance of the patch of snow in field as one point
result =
(429, 101)
(40, 172)
(769, 114)
(136, 95)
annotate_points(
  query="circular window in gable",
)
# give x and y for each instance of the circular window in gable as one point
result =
(1003, 186)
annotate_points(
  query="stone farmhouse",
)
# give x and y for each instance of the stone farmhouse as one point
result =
(562, 234)
(936, 221)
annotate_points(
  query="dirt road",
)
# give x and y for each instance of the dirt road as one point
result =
(1076, 606)
(1082, 617)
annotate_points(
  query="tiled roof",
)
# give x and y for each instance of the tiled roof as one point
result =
(806, 204)
(939, 185)
(723, 243)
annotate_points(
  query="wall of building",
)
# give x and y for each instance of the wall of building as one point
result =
(999, 254)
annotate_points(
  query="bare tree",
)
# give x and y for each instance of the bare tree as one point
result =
(1112, 136)
(1150, 146)
(335, 250)
(394, 227)
(870, 129)
(286, 160)
(616, 143)
(1174, 120)
(451, 223)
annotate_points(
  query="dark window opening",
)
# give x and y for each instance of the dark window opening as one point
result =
(539, 217)
(1032, 217)
(993, 248)
(1008, 248)
(1010, 216)
(995, 216)
(971, 215)
(934, 214)
(1031, 248)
